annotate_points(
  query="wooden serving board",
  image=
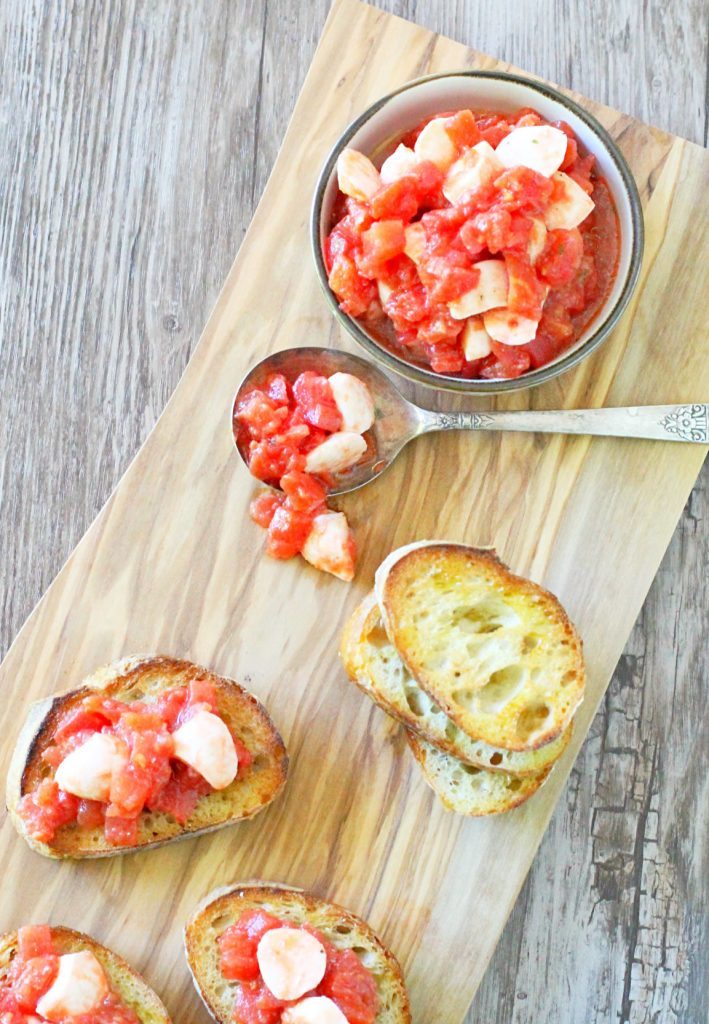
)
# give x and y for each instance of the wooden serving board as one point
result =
(173, 564)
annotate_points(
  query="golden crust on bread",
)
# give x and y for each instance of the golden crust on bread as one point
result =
(141, 678)
(132, 989)
(495, 651)
(374, 666)
(343, 929)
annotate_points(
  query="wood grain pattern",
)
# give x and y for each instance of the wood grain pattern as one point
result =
(146, 76)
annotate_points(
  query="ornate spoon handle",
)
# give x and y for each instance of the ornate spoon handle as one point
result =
(656, 422)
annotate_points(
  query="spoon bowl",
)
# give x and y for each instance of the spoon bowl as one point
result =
(397, 421)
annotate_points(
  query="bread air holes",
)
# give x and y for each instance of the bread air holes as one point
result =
(532, 720)
(496, 758)
(378, 638)
(502, 687)
(414, 698)
(529, 642)
(485, 616)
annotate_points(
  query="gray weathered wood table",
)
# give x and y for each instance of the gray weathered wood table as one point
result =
(135, 139)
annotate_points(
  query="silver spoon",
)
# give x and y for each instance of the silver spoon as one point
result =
(398, 421)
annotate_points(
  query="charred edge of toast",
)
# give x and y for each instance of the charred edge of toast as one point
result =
(43, 717)
(70, 940)
(215, 903)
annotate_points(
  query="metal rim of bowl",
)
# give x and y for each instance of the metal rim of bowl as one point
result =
(532, 378)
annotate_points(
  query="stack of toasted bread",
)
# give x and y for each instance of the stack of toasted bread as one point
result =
(482, 667)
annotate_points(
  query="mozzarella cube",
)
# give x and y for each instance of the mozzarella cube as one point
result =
(510, 328)
(540, 147)
(79, 987)
(435, 144)
(570, 205)
(415, 241)
(384, 291)
(401, 162)
(87, 770)
(330, 545)
(478, 167)
(489, 293)
(356, 175)
(337, 452)
(205, 744)
(314, 1010)
(475, 340)
(537, 240)
(354, 401)
(292, 962)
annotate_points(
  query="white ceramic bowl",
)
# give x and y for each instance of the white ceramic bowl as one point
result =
(379, 128)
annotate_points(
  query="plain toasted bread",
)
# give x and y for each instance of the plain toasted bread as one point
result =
(495, 651)
(343, 929)
(373, 664)
(465, 789)
(143, 678)
(132, 989)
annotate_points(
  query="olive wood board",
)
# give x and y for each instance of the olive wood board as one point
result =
(173, 564)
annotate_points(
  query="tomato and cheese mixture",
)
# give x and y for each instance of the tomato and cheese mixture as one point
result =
(293, 975)
(44, 985)
(482, 247)
(296, 437)
(109, 761)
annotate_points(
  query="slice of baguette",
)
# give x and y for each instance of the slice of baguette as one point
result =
(144, 678)
(133, 990)
(468, 790)
(495, 651)
(373, 664)
(224, 907)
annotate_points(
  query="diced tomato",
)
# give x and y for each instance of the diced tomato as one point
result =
(181, 794)
(288, 532)
(383, 241)
(255, 1004)
(121, 831)
(493, 129)
(263, 508)
(580, 171)
(46, 809)
(34, 940)
(349, 984)
(526, 293)
(278, 389)
(463, 129)
(261, 415)
(509, 361)
(238, 944)
(80, 720)
(446, 358)
(521, 188)
(314, 395)
(33, 979)
(305, 493)
(355, 292)
(561, 257)
(91, 814)
(172, 703)
(399, 200)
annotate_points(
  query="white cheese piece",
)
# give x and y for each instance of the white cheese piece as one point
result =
(79, 987)
(205, 744)
(540, 147)
(475, 340)
(356, 175)
(354, 401)
(314, 1010)
(384, 291)
(337, 452)
(329, 545)
(489, 293)
(509, 328)
(435, 144)
(292, 962)
(571, 207)
(87, 771)
(537, 240)
(401, 162)
(478, 167)
(415, 241)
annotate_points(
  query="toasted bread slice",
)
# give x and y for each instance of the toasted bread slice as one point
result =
(132, 989)
(340, 927)
(143, 678)
(468, 790)
(372, 663)
(495, 651)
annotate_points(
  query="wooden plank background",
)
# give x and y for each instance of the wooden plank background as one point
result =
(136, 140)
